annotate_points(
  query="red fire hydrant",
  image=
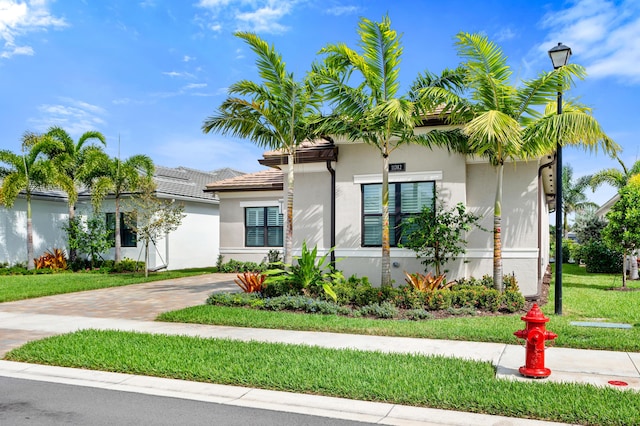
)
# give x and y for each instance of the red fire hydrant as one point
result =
(535, 334)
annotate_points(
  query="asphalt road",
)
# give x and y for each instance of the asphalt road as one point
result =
(35, 403)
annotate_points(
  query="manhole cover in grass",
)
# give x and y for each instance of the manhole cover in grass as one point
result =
(617, 383)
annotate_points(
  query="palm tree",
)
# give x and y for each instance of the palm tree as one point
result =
(277, 113)
(117, 177)
(23, 174)
(574, 199)
(372, 110)
(502, 121)
(72, 160)
(619, 179)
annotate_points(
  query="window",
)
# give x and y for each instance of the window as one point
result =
(263, 227)
(127, 234)
(405, 199)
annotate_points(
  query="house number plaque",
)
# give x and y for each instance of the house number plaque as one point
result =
(397, 167)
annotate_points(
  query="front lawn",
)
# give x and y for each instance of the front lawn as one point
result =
(18, 287)
(394, 378)
(586, 297)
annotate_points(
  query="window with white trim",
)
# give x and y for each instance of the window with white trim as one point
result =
(263, 227)
(405, 199)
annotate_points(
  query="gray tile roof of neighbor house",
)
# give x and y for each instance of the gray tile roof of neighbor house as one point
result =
(188, 183)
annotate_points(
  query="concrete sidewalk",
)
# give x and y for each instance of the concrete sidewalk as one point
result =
(110, 309)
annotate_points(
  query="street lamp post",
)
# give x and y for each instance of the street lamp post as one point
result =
(559, 57)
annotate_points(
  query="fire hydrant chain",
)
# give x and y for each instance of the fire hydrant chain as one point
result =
(535, 336)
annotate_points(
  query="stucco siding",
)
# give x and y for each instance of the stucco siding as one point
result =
(48, 217)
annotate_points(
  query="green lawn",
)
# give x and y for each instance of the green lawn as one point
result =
(19, 287)
(396, 378)
(585, 297)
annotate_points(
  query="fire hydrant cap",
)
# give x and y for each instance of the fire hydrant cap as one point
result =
(535, 315)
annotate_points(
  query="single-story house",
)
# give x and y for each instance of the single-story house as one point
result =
(193, 244)
(337, 203)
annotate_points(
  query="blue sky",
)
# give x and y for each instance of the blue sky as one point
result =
(149, 72)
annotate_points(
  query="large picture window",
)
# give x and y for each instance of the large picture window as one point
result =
(405, 199)
(263, 227)
(127, 234)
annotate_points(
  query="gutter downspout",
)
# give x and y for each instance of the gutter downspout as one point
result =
(540, 195)
(332, 255)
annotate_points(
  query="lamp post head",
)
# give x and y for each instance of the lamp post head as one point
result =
(559, 55)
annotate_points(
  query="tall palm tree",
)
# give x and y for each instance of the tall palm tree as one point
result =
(119, 178)
(72, 160)
(574, 199)
(276, 113)
(619, 179)
(502, 121)
(23, 174)
(369, 107)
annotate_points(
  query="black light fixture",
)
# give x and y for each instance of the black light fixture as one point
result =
(559, 57)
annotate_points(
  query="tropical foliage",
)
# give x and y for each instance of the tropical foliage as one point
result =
(502, 120)
(574, 199)
(278, 114)
(363, 87)
(26, 172)
(75, 164)
(119, 178)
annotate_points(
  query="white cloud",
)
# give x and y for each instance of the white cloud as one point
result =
(343, 10)
(195, 86)
(18, 19)
(261, 16)
(187, 58)
(176, 74)
(603, 36)
(75, 116)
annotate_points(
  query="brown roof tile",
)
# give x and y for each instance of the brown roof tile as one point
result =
(265, 180)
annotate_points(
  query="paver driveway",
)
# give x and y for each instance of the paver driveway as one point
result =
(139, 302)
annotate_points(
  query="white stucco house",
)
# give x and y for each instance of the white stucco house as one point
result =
(194, 244)
(337, 203)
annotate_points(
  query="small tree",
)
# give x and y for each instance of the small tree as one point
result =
(623, 227)
(89, 236)
(438, 236)
(152, 218)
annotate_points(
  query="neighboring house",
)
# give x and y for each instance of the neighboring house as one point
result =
(193, 244)
(604, 209)
(337, 203)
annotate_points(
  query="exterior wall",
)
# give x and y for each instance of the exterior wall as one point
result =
(232, 223)
(48, 216)
(458, 179)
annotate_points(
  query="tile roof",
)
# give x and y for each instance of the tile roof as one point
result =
(190, 183)
(265, 180)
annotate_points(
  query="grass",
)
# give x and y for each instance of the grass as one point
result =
(586, 297)
(394, 378)
(19, 287)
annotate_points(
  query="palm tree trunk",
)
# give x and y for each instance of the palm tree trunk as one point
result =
(497, 235)
(624, 268)
(288, 248)
(146, 258)
(30, 256)
(386, 246)
(72, 214)
(118, 244)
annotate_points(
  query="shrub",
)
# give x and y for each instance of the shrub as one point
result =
(489, 300)
(427, 282)
(407, 298)
(419, 314)
(437, 300)
(465, 297)
(465, 310)
(599, 258)
(234, 299)
(128, 265)
(54, 259)
(379, 310)
(512, 301)
(251, 282)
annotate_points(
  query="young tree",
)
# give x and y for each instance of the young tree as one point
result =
(152, 219)
(623, 227)
(364, 89)
(89, 236)
(74, 162)
(23, 173)
(120, 178)
(502, 120)
(278, 113)
(574, 199)
(439, 236)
